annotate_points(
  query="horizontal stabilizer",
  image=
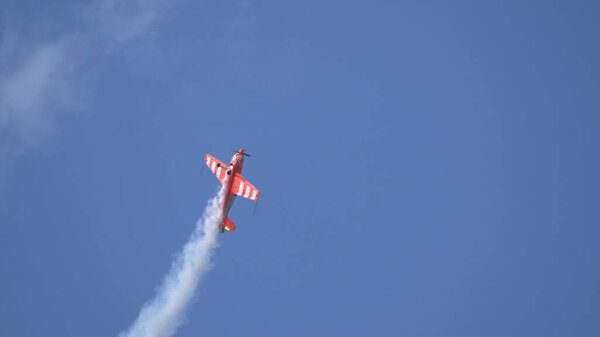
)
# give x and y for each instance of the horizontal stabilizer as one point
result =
(227, 225)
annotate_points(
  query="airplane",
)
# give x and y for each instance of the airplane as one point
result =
(235, 184)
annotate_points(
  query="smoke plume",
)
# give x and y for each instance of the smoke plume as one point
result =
(162, 315)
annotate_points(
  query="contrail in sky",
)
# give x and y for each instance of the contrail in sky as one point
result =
(162, 315)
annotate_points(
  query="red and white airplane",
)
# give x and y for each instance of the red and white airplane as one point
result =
(231, 176)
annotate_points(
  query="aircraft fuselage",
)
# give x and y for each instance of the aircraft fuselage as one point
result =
(235, 166)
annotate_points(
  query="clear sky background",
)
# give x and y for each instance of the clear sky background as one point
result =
(427, 168)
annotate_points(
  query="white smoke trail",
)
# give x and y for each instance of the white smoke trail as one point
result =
(162, 315)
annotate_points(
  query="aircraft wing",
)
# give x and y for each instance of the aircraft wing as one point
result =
(243, 188)
(217, 167)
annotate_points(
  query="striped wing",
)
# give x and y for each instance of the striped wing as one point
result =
(243, 188)
(217, 167)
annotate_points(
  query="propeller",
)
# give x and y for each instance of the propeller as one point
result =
(245, 154)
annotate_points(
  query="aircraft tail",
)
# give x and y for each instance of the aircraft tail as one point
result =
(227, 225)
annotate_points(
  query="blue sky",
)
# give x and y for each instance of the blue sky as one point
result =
(426, 168)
